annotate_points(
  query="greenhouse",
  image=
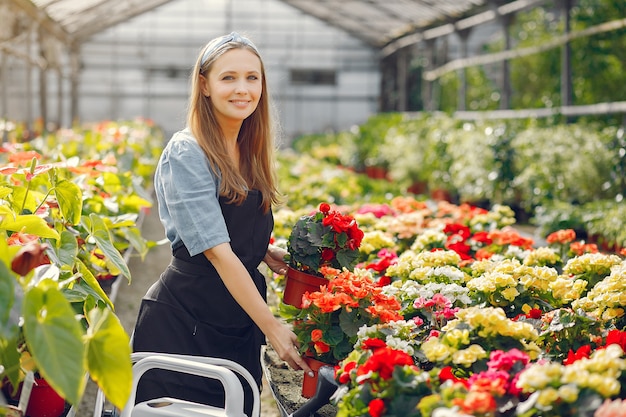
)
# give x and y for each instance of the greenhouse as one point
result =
(421, 202)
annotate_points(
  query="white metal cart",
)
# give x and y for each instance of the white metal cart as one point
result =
(222, 370)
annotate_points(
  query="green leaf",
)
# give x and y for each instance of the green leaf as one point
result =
(54, 338)
(7, 298)
(93, 282)
(10, 359)
(101, 235)
(68, 248)
(29, 223)
(133, 235)
(5, 191)
(70, 199)
(108, 356)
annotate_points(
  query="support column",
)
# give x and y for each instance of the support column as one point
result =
(505, 98)
(3, 98)
(462, 99)
(428, 90)
(28, 100)
(74, 82)
(566, 53)
(401, 77)
(60, 112)
(43, 85)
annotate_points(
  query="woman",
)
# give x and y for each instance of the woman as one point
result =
(215, 187)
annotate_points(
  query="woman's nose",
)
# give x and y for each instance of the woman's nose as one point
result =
(241, 88)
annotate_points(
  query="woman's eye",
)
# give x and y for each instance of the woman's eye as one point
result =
(253, 77)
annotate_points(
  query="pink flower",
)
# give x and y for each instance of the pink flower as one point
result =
(616, 408)
(504, 361)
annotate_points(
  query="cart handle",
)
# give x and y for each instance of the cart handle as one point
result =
(232, 385)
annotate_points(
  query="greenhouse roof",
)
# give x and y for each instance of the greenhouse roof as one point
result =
(380, 23)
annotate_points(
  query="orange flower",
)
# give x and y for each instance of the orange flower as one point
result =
(477, 402)
(561, 236)
(316, 335)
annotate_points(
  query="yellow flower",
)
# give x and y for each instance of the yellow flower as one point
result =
(435, 351)
(547, 397)
(456, 338)
(567, 289)
(373, 241)
(539, 376)
(510, 294)
(542, 256)
(568, 393)
(466, 357)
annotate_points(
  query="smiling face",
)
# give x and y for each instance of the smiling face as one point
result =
(234, 86)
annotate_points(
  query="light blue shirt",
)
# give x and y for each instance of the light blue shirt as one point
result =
(187, 194)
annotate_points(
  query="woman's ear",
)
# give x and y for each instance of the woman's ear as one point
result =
(204, 86)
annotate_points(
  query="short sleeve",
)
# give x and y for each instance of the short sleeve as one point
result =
(187, 195)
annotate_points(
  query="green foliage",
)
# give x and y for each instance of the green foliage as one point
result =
(66, 221)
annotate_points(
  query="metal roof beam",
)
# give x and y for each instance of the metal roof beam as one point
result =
(48, 24)
(461, 24)
(101, 21)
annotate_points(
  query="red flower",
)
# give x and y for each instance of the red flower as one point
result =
(534, 313)
(446, 375)
(383, 281)
(482, 237)
(321, 347)
(376, 407)
(582, 352)
(383, 361)
(328, 254)
(324, 207)
(30, 256)
(616, 337)
(373, 344)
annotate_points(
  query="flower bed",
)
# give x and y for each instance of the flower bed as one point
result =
(493, 324)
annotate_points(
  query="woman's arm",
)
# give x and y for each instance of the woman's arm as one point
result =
(238, 282)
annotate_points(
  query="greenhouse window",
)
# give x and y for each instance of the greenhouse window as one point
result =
(313, 77)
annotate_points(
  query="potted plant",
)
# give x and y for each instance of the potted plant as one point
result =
(328, 322)
(325, 238)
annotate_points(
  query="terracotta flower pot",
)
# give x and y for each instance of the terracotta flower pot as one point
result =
(309, 383)
(297, 283)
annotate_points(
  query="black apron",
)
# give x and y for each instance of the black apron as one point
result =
(190, 311)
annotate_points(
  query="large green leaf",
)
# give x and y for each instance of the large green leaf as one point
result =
(70, 199)
(7, 298)
(93, 282)
(54, 338)
(66, 250)
(29, 223)
(108, 356)
(99, 231)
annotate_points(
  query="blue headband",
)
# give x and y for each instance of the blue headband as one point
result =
(223, 40)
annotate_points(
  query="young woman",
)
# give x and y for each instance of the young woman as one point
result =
(215, 187)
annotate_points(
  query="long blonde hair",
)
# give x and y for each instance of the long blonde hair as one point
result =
(256, 136)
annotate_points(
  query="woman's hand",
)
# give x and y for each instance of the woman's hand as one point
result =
(285, 343)
(275, 259)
